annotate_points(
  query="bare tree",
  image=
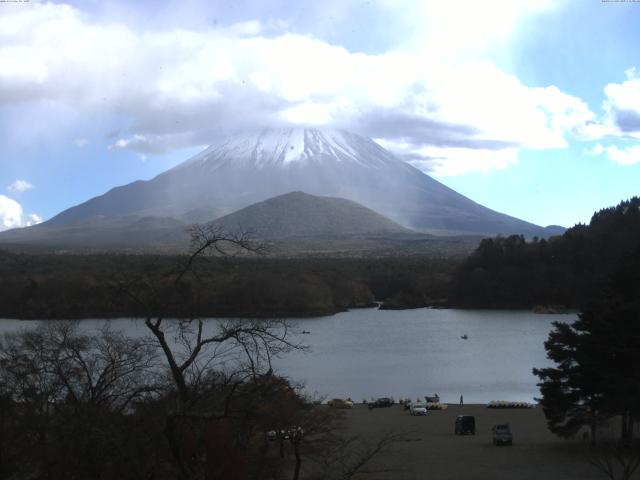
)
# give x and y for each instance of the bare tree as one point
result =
(191, 400)
(342, 458)
(187, 344)
(105, 369)
(616, 460)
(68, 394)
(214, 365)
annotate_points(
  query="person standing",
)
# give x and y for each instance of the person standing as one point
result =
(461, 400)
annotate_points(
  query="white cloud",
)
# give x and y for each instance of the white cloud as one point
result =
(12, 216)
(447, 161)
(178, 87)
(456, 161)
(32, 219)
(10, 213)
(154, 144)
(501, 107)
(622, 156)
(598, 149)
(81, 142)
(20, 186)
(622, 106)
(462, 27)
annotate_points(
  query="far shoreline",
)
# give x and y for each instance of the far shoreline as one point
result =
(303, 315)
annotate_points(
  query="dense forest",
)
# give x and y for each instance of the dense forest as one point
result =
(565, 271)
(85, 286)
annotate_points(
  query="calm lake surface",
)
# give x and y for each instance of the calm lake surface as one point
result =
(368, 353)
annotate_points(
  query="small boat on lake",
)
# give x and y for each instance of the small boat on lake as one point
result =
(464, 337)
(306, 332)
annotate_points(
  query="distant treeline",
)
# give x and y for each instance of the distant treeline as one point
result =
(39, 286)
(504, 272)
(568, 271)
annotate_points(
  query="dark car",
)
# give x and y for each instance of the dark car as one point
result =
(465, 425)
(381, 403)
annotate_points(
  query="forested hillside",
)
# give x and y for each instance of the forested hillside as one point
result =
(85, 286)
(568, 270)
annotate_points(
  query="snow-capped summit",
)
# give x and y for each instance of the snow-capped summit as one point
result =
(285, 147)
(251, 167)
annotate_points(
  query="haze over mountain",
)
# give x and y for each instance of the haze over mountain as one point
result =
(129, 232)
(252, 167)
(297, 217)
(289, 225)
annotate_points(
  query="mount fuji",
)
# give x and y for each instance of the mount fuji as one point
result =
(244, 169)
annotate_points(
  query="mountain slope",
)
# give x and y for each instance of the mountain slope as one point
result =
(249, 168)
(300, 214)
(104, 233)
(290, 225)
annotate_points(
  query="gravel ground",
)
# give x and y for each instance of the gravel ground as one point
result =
(430, 450)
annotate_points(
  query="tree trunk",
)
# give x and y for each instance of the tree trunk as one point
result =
(176, 372)
(296, 451)
(594, 429)
(170, 432)
(624, 428)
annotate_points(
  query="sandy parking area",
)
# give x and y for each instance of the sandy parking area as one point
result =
(432, 451)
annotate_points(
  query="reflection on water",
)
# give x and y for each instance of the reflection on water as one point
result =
(369, 353)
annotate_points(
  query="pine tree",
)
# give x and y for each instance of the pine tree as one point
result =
(597, 357)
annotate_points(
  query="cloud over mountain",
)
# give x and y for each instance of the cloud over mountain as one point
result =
(176, 87)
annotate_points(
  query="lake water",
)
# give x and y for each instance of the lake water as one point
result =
(369, 353)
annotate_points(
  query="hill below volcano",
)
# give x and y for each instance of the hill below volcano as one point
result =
(300, 214)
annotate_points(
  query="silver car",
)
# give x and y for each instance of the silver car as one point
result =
(418, 409)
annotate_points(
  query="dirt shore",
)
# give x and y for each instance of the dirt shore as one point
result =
(430, 450)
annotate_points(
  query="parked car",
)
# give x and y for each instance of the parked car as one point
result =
(418, 409)
(465, 425)
(290, 433)
(381, 403)
(502, 434)
(340, 403)
(408, 402)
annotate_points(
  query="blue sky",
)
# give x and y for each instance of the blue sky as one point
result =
(529, 107)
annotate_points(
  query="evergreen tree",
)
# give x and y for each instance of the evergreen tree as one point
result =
(572, 393)
(597, 357)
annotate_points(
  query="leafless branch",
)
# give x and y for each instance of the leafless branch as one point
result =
(616, 461)
(345, 457)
